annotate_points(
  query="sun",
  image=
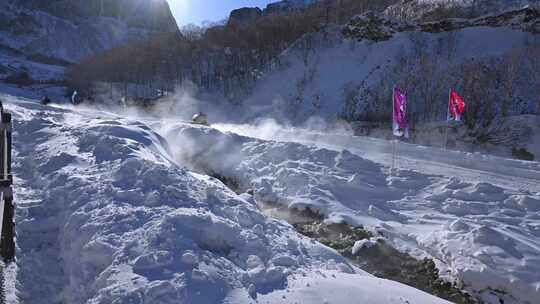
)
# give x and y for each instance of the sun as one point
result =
(179, 4)
(180, 8)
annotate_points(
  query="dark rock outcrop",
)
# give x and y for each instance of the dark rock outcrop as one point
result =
(416, 10)
(249, 14)
(285, 6)
(375, 27)
(245, 15)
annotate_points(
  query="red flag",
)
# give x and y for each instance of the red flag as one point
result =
(456, 106)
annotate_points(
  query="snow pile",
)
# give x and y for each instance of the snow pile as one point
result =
(491, 235)
(473, 167)
(105, 216)
(481, 234)
(336, 287)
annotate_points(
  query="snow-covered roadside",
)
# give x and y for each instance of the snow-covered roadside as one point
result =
(484, 235)
(104, 216)
(471, 167)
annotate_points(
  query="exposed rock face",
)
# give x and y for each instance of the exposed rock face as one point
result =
(285, 6)
(245, 15)
(371, 26)
(527, 19)
(248, 14)
(374, 27)
(440, 9)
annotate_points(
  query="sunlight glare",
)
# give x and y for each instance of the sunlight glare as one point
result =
(180, 7)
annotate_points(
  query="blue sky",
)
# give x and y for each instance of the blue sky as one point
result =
(198, 11)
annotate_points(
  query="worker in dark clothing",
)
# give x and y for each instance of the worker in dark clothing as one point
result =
(200, 119)
(45, 100)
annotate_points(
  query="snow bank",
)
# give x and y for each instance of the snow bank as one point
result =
(359, 245)
(105, 216)
(508, 173)
(481, 234)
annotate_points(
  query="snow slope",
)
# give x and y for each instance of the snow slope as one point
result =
(320, 69)
(480, 224)
(105, 215)
(331, 75)
(38, 31)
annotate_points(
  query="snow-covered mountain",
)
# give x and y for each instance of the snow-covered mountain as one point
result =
(38, 39)
(318, 67)
(349, 71)
(72, 30)
(154, 15)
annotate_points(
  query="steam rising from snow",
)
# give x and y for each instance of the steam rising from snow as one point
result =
(271, 129)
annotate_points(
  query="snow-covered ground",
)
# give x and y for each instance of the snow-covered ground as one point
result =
(471, 167)
(476, 215)
(508, 133)
(106, 214)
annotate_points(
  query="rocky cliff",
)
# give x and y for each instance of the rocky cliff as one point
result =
(245, 15)
(437, 9)
(371, 26)
(285, 6)
(248, 14)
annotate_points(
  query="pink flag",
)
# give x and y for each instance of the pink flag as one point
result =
(399, 121)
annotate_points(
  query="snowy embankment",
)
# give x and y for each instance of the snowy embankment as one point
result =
(482, 234)
(504, 172)
(105, 216)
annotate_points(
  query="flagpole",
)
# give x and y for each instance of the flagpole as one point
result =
(393, 136)
(447, 118)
